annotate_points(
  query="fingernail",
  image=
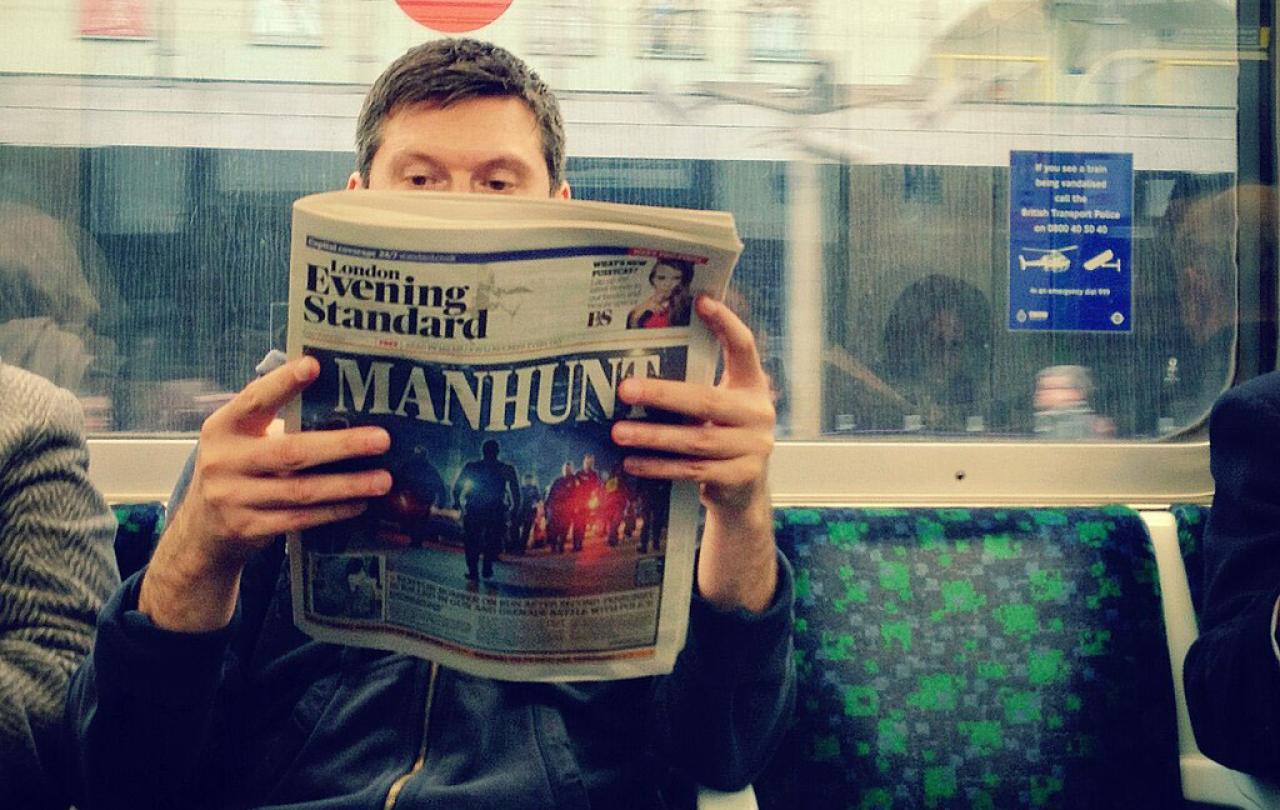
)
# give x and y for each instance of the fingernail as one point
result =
(622, 433)
(381, 483)
(379, 440)
(305, 369)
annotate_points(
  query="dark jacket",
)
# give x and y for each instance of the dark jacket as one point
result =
(258, 714)
(1231, 674)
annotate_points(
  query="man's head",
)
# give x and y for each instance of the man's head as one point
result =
(458, 111)
(1204, 246)
(489, 449)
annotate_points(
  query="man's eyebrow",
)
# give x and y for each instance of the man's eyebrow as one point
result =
(509, 162)
(400, 160)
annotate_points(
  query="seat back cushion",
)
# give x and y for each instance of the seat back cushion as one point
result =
(139, 527)
(1191, 519)
(975, 658)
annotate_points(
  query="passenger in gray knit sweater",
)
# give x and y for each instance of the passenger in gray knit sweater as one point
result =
(56, 570)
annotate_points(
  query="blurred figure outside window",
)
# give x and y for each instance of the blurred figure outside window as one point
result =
(937, 354)
(1063, 407)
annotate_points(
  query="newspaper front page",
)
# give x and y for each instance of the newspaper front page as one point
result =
(489, 336)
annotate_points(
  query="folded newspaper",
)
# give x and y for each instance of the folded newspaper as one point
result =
(488, 335)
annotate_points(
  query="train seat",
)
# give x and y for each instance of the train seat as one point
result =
(1190, 519)
(138, 527)
(975, 658)
(1176, 539)
(994, 657)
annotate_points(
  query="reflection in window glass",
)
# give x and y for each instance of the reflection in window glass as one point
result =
(147, 170)
(933, 353)
(287, 22)
(563, 28)
(777, 30)
(673, 29)
(56, 303)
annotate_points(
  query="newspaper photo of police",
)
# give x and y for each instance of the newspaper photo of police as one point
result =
(512, 544)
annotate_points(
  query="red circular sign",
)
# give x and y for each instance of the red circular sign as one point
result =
(454, 16)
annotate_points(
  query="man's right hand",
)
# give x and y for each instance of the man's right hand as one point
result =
(249, 486)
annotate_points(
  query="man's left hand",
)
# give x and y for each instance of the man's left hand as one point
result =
(724, 446)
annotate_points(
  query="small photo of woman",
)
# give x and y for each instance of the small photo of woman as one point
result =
(669, 302)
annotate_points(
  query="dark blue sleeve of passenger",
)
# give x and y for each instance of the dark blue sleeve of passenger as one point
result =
(184, 480)
(144, 711)
(727, 703)
(1231, 674)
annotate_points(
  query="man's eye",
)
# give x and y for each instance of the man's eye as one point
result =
(419, 180)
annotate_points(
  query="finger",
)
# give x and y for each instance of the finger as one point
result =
(293, 491)
(702, 403)
(741, 360)
(740, 472)
(298, 451)
(699, 441)
(252, 410)
(273, 522)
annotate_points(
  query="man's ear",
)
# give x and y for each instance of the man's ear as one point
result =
(563, 192)
(354, 181)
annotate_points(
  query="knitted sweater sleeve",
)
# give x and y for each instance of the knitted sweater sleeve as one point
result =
(56, 571)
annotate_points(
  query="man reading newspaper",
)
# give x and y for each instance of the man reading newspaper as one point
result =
(202, 693)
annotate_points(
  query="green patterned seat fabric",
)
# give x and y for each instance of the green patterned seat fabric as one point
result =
(139, 528)
(1191, 518)
(976, 658)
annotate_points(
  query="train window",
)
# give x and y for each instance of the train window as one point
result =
(968, 220)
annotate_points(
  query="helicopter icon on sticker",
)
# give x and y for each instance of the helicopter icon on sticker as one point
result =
(1051, 260)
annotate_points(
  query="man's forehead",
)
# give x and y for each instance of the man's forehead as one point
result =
(449, 104)
(480, 124)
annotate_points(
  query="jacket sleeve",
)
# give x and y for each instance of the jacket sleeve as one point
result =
(725, 706)
(147, 711)
(56, 570)
(1231, 674)
(149, 708)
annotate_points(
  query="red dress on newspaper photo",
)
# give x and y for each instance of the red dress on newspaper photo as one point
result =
(655, 320)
